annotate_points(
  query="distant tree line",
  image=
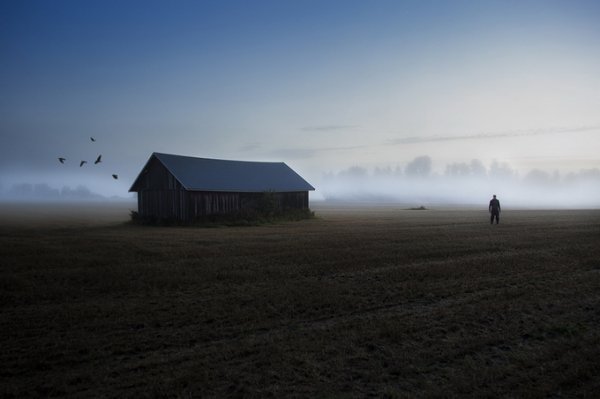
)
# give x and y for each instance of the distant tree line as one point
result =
(44, 192)
(421, 168)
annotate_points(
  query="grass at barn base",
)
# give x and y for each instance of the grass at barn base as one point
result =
(358, 302)
(243, 218)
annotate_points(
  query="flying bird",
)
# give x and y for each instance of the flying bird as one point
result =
(62, 160)
(93, 139)
(98, 159)
(81, 163)
(115, 177)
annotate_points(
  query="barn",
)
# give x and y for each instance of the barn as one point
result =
(187, 188)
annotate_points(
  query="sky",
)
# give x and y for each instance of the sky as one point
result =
(324, 86)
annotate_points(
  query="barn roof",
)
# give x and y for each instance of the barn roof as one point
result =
(203, 174)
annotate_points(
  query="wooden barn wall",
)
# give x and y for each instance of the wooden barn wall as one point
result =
(296, 200)
(157, 177)
(288, 200)
(189, 205)
(203, 203)
(160, 195)
(163, 204)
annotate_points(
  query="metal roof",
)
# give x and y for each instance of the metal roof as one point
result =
(203, 174)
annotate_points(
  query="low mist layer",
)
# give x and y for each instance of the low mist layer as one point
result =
(43, 192)
(469, 183)
(464, 184)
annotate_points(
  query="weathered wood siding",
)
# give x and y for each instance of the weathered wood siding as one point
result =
(203, 203)
(161, 196)
(163, 204)
(286, 200)
(295, 200)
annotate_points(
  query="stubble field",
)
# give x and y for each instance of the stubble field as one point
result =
(358, 302)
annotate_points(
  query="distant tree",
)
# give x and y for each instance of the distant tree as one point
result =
(328, 176)
(458, 170)
(592, 175)
(398, 171)
(418, 167)
(556, 176)
(82, 192)
(383, 172)
(354, 172)
(477, 168)
(537, 177)
(21, 190)
(501, 171)
(79, 193)
(44, 192)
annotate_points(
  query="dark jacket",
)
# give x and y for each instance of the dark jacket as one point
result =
(495, 205)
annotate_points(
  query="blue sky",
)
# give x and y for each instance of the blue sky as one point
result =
(320, 85)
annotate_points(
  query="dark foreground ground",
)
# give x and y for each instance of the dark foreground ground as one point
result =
(370, 302)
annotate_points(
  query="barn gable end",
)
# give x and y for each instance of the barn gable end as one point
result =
(186, 188)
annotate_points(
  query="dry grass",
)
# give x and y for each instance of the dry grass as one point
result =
(360, 302)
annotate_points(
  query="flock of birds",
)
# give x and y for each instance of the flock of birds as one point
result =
(97, 161)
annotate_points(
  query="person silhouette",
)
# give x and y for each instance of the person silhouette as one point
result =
(494, 210)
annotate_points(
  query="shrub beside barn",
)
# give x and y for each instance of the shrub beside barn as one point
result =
(187, 188)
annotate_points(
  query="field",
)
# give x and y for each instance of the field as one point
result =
(358, 302)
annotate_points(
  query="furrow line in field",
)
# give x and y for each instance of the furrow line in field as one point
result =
(396, 309)
(399, 310)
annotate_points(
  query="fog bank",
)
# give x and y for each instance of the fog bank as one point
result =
(471, 183)
(43, 192)
(463, 184)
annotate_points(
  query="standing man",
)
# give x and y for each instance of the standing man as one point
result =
(494, 210)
